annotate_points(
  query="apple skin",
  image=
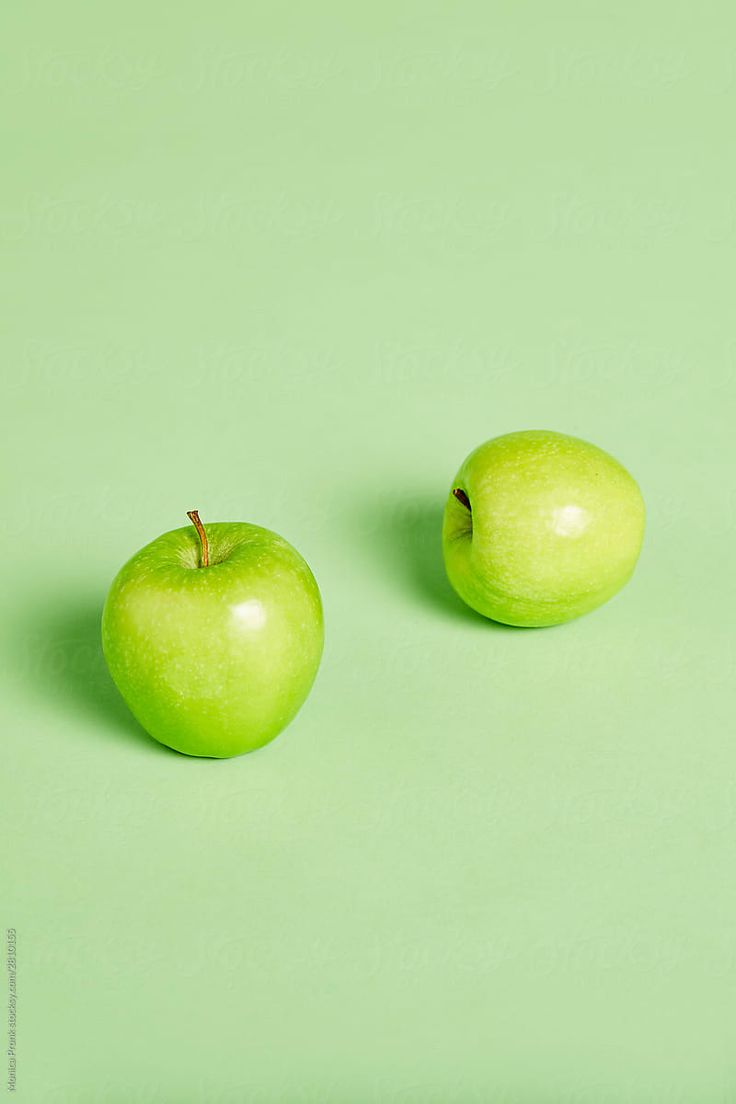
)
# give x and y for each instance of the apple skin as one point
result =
(554, 528)
(214, 661)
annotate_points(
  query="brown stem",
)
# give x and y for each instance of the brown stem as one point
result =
(193, 516)
(461, 496)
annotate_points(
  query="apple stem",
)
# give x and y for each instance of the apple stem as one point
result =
(193, 516)
(461, 496)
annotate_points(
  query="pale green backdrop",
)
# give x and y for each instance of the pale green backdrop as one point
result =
(289, 263)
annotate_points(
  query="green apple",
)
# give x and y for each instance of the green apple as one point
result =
(214, 636)
(540, 527)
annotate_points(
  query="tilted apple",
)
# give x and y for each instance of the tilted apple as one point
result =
(540, 527)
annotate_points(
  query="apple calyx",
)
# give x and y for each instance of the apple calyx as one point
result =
(462, 498)
(193, 516)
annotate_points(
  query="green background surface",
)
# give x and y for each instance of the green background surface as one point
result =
(288, 263)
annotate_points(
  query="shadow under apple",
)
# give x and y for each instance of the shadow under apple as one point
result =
(405, 538)
(59, 659)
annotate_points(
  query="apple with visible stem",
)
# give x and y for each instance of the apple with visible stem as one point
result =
(213, 636)
(540, 527)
